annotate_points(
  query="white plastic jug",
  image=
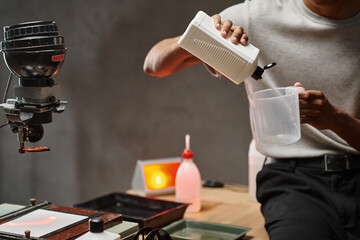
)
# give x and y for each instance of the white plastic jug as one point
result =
(256, 162)
(236, 62)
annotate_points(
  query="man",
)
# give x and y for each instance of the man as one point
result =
(309, 189)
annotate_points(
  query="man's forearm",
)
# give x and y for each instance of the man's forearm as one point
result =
(348, 128)
(167, 57)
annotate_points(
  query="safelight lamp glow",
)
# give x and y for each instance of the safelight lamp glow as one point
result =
(155, 176)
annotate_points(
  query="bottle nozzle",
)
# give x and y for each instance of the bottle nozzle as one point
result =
(187, 141)
(187, 154)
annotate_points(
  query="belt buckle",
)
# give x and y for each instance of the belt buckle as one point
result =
(336, 163)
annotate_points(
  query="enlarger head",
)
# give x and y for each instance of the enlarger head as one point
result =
(34, 52)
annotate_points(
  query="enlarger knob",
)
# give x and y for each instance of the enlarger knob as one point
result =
(27, 234)
(33, 201)
(96, 225)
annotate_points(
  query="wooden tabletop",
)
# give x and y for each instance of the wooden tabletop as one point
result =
(229, 205)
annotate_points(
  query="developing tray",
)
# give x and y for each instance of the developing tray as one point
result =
(148, 212)
(194, 230)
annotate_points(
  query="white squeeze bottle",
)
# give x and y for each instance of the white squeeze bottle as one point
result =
(188, 180)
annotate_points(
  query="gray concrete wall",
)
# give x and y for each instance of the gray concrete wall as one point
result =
(117, 114)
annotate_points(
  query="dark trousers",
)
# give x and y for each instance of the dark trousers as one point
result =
(302, 203)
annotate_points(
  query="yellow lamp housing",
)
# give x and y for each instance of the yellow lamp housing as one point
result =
(156, 176)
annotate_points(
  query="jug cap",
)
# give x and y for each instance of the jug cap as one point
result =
(259, 71)
(257, 74)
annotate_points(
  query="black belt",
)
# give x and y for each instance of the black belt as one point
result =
(328, 162)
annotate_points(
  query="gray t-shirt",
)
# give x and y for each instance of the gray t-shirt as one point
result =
(321, 53)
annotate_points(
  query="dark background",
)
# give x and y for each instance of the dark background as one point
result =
(116, 114)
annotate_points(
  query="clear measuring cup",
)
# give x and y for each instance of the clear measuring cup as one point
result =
(275, 117)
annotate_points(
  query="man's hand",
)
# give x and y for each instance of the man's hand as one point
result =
(238, 34)
(317, 111)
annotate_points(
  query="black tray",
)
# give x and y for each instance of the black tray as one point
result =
(148, 212)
